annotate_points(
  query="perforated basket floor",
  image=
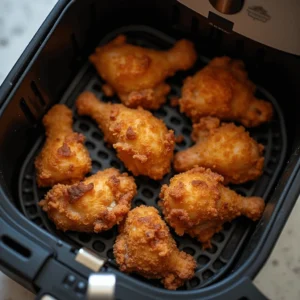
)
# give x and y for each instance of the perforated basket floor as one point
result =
(211, 263)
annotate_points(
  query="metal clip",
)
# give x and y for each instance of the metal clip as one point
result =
(48, 297)
(89, 259)
(101, 287)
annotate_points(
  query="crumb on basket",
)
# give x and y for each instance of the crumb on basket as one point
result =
(174, 101)
(179, 139)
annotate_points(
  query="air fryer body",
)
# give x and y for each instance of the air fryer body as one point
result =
(271, 23)
(264, 34)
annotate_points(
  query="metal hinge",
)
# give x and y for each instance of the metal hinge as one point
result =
(89, 259)
(101, 286)
(48, 297)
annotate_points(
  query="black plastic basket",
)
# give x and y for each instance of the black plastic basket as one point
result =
(54, 69)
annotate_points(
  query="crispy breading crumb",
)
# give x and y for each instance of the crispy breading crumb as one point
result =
(76, 191)
(179, 139)
(174, 101)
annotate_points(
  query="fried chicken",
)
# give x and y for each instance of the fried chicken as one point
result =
(222, 89)
(137, 74)
(198, 204)
(64, 158)
(226, 149)
(95, 204)
(145, 246)
(142, 142)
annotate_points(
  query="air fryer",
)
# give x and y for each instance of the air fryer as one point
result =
(54, 69)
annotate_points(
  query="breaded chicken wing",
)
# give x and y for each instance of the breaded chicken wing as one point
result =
(145, 246)
(198, 204)
(142, 142)
(95, 204)
(226, 149)
(137, 74)
(64, 158)
(222, 89)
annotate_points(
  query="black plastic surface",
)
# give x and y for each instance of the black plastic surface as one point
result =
(58, 281)
(212, 263)
(19, 253)
(241, 289)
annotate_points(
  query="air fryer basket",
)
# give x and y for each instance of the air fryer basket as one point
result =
(55, 69)
(212, 263)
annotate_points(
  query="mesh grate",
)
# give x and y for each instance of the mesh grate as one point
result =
(211, 263)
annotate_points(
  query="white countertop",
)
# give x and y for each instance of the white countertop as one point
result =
(279, 279)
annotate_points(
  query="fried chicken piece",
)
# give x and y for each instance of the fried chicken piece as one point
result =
(64, 158)
(95, 204)
(222, 89)
(145, 246)
(226, 149)
(197, 203)
(142, 142)
(137, 74)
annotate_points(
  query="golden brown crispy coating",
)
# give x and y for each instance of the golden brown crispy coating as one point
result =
(145, 246)
(142, 142)
(64, 158)
(95, 204)
(226, 149)
(137, 74)
(198, 204)
(222, 89)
